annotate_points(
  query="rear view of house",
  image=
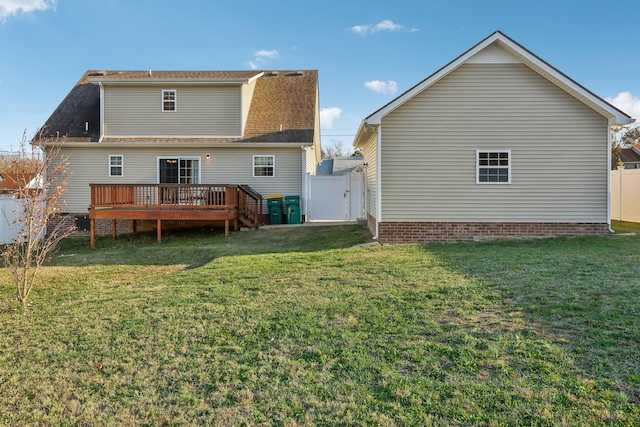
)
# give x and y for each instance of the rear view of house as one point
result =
(196, 141)
(498, 143)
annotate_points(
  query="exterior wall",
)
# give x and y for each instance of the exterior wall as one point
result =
(444, 232)
(371, 173)
(558, 149)
(201, 111)
(226, 166)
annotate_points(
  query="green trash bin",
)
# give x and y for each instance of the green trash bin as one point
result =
(275, 209)
(293, 209)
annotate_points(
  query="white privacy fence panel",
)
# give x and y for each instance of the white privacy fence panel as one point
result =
(336, 197)
(9, 212)
(625, 195)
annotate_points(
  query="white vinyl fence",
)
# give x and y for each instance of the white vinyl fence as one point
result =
(335, 197)
(625, 195)
(8, 214)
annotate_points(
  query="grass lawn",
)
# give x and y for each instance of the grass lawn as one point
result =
(298, 327)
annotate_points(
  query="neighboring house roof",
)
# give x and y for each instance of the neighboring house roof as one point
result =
(344, 165)
(325, 167)
(339, 165)
(518, 53)
(286, 98)
(630, 155)
(10, 182)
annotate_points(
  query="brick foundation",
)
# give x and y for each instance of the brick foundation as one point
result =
(103, 226)
(428, 232)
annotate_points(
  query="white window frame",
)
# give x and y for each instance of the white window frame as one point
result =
(198, 158)
(507, 167)
(273, 166)
(175, 100)
(121, 165)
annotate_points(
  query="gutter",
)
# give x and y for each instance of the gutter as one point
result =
(198, 144)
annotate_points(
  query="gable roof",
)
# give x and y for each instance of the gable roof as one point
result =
(514, 53)
(286, 98)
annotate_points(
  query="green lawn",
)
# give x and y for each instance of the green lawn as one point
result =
(298, 327)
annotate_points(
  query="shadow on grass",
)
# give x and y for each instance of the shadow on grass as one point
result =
(582, 294)
(197, 247)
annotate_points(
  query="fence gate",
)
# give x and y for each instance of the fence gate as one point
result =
(336, 197)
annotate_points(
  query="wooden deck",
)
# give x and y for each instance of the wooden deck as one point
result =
(180, 202)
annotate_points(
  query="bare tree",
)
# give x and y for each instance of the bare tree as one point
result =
(622, 137)
(334, 150)
(38, 201)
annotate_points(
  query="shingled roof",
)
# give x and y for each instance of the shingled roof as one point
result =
(286, 98)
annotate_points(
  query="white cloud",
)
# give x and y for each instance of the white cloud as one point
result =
(267, 54)
(628, 103)
(384, 25)
(390, 87)
(328, 115)
(9, 8)
(260, 58)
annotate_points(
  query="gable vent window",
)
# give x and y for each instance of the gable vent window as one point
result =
(493, 167)
(169, 100)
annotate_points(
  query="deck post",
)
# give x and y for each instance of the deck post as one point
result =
(159, 235)
(226, 228)
(113, 229)
(93, 233)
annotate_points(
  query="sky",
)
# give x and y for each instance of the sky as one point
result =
(366, 52)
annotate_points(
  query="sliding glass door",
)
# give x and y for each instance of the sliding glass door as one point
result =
(179, 170)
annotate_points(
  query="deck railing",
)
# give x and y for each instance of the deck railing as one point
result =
(162, 196)
(249, 205)
(180, 202)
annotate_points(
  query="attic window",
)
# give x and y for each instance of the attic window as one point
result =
(169, 100)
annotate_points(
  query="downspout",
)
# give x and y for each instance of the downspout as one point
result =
(101, 111)
(303, 184)
(609, 130)
(378, 181)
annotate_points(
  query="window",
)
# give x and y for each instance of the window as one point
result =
(116, 165)
(179, 170)
(493, 167)
(169, 100)
(264, 165)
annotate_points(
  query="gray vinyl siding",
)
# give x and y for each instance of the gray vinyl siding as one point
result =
(371, 169)
(201, 111)
(558, 151)
(226, 166)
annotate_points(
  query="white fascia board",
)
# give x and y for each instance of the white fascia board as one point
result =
(543, 67)
(249, 80)
(376, 118)
(555, 75)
